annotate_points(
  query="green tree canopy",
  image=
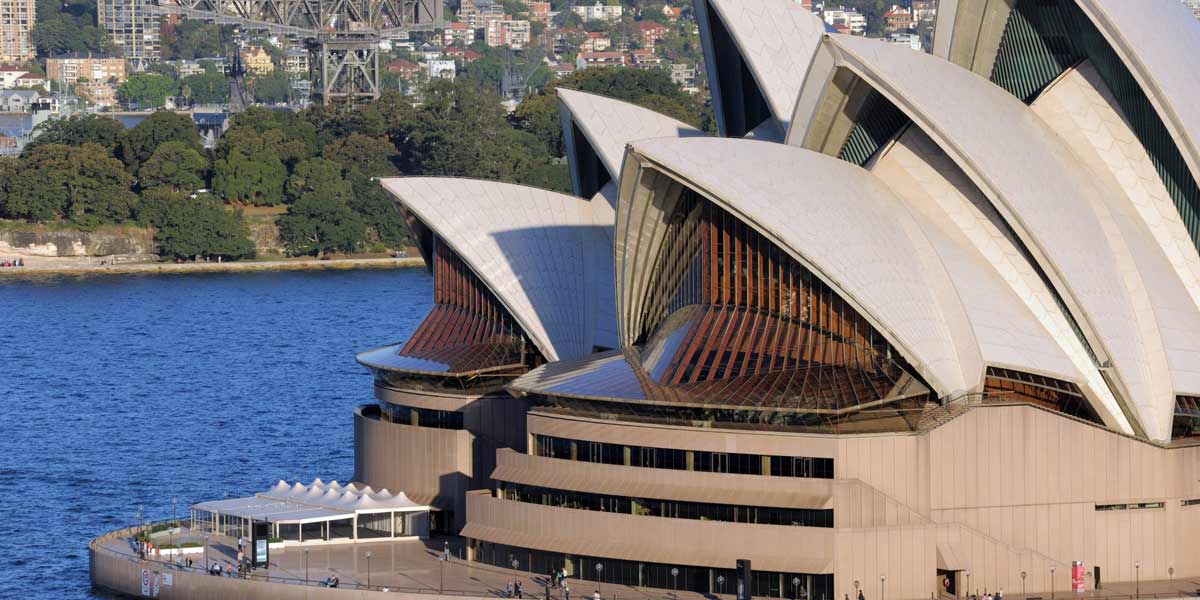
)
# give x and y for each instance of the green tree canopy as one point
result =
(321, 220)
(361, 158)
(67, 27)
(271, 88)
(148, 90)
(175, 165)
(138, 144)
(77, 130)
(192, 39)
(291, 136)
(202, 227)
(315, 175)
(247, 170)
(210, 87)
(82, 183)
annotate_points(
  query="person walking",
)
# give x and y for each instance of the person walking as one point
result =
(520, 590)
(508, 589)
(596, 595)
(860, 595)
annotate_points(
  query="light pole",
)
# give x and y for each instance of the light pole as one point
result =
(1023, 574)
(968, 574)
(1052, 582)
(599, 573)
(796, 588)
(174, 501)
(675, 580)
(368, 570)
(1171, 573)
(206, 563)
(1137, 582)
(442, 571)
(882, 578)
(306, 551)
(721, 583)
(856, 591)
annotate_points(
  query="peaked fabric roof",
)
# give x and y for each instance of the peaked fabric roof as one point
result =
(864, 244)
(610, 124)
(540, 252)
(777, 40)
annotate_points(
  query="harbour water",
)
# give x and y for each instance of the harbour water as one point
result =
(126, 392)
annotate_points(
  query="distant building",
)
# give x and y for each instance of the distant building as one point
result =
(911, 40)
(587, 60)
(898, 18)
(18, 101)
(853, 21)
(9, 75)
(599, 12)
(645, 58)
(406, 69)
(672, 13)
(132, 28)
(684, 75)
(70, 68)
(458, 33)
(651, 32)
(16, 21)
(475, 12)
(562, 70)
(441, 69)
(512, 33)
(461, 54)
(99, 93)
(256, 60)
(30, 80)
(596, 41)
(296, 61)
(562, 41)
(924, 10)
(539, 12)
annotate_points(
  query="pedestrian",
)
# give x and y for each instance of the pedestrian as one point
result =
(860, 595)
(1000, 594)
(566, 591)
(596, 595)
(520, 590)
(508, 589)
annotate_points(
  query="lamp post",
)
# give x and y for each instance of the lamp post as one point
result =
(174, 502)
(1137, 579)
(442, 573)
(796, 588)
(1023, 574)
(1171, 573)
(721, 583)
(206, 563)
(675, 580)
(857, 584)
(882, 578)
(599, 573)
(1052, 567)
(306, 551)
(968, 574)
(368, 570)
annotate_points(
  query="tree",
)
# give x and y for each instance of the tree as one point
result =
(315, 175)
(67, 27)
(291, 136)
(210, 87)
(253, 176)
(148, 89)
(361, 158)
(321, 220)
(78, 130)
(155, 203)
(83, 183)
(202, 227)
(175, 165)
(272, 88)
(192, 39)
(138, 144)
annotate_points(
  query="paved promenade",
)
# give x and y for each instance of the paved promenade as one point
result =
(413, 566)
(89, 266)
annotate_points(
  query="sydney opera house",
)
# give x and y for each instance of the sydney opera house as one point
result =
(909, 318)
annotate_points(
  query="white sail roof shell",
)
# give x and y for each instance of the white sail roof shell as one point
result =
(541, 253)
(611, 124)
(840, 223)
(777, 40)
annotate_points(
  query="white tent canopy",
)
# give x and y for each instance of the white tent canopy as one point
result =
(321, 503)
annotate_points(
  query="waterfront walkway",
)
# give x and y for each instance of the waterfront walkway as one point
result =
(413, 566)
(39, 266)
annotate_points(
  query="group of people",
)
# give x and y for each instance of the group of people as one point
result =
(988, 596)
(16, 262)
(216, 569)
(514, 589)
(332, 581)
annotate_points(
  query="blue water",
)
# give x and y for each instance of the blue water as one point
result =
(120, 392)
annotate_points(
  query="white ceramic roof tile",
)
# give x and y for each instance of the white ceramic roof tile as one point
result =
(848, 228)
(611, 124)
(1159, 41)
(1162, 267)
(777, 40)
(1038, 186)
(1014, 316)
(540, 252)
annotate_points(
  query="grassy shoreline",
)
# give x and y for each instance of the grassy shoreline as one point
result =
(212, 267)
